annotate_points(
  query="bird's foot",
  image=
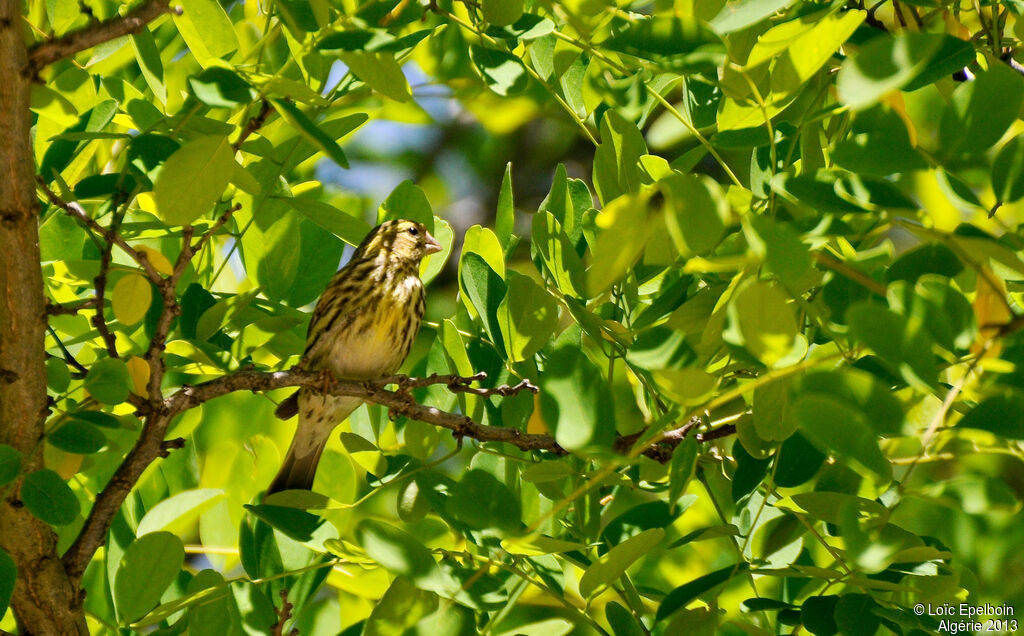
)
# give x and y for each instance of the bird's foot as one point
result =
(326, 379)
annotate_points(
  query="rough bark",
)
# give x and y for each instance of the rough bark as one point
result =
(44, 600)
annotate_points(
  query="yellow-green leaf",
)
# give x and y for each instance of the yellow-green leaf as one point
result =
(527, 316)
(380, 71)
(193, 179)
(131, 298)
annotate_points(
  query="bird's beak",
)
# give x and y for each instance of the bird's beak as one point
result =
(430, 245)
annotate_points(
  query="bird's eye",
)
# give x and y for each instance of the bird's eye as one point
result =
(414, 231)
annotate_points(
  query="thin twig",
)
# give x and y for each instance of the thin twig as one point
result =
(253, 125)
(75, 211)
(459, 384)
(99, 319)
(68, 309)
(283, 614)
(49, 51)
(68, 357)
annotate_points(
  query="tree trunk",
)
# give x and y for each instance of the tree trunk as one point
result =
(45, 601)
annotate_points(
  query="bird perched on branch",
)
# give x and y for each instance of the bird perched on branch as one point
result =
(362, 329)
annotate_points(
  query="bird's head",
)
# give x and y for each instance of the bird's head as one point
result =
(405, 241)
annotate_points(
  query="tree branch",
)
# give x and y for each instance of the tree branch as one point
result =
(151, 444)
(49, 51)
(68, 309)
(75, 211)
(44, 600)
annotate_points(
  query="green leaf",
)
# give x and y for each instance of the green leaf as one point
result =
(49, 498)
(617, 168)
(616, 561)
(501, 12)
(148, 57)
(504, 220)
(295, 524)
(832, 507)
(575, 402)
(58, 376)
(557, 255)
(400, 608)
(980, 111)
(502, 72)
(798, 57)
(380, 71)
(108, 381)
(695, 212)
(834, 426)
(528, 27)
(300, 17)
(624, 230)
(762, 321)
(61, 151)
(682, 595)
(786, 254)
(148, 566)
(952, 55)
(686, 386)
(407, 201)
(60, 238)
(206, 29)
(99, 418)
(432, 265)
(485, 289)
(527, 315)
(213, 615)
(348, 228)
(860, 390)
(772, 413)
(221, 88)
(622, 622)
(397, 551)
(797, 462)
(10, 464)
(879, 144)
(291, 114)
(855, 616)
(903, 343)
(1008, 171)
(818, 615)
(193, 179)
(131, 298)
(357, 40)
(482, 502)
(883, 65)
(177, 512)
(999, 414)
(740, 14)
(8, 575)
(684, 461)
(678, 44)
(78, 436)
(934, 258)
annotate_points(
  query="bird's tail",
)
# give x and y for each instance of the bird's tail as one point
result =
(299, 466)
(319, 415)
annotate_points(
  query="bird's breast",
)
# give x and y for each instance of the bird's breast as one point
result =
(377, 339)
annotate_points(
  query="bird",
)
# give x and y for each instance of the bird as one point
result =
(362, 328)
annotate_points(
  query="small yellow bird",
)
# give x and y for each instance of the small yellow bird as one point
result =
(362, 329)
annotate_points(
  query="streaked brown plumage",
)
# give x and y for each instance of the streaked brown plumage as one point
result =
(362, 328)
